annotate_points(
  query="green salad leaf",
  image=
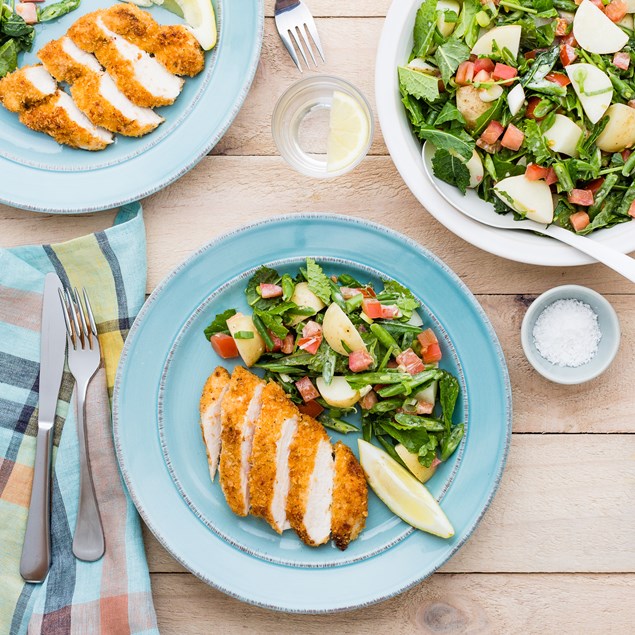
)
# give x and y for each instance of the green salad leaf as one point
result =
(451, 169)
(317, 280)
(448, 57)
(424, 27)
(219, 323)
(419, 84)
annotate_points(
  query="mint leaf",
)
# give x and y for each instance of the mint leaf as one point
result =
(448, 57)
(263, 275)
(318, 282)
(450, 169)
(219, 323)
(425, 24)
(418, 84)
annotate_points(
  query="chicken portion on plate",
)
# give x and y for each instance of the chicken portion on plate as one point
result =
(26, 87)
(240, 410)
(269, 478)
(173, 45)
(210, 409)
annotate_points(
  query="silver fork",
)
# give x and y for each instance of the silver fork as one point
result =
(295, 23)
(84, 357)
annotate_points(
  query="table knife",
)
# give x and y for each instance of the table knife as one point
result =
(36, 551)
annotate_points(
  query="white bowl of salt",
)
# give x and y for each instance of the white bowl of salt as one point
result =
(570, 334)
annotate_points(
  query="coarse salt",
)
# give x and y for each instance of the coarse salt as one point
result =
(567, 333)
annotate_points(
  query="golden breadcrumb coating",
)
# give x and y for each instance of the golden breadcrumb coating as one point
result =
(209, 408)
(234, 418)
(17, 93)
(60, 64)
(350, 497)
(174, 46)
(276, 409)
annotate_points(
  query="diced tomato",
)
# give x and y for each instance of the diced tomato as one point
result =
(531, 55)
(626, 153)
(464, 73)
(270, 290)
(27, 12)
(594, 186)
(579, 220)
(372, 308)
(535, 172)
(306, 389)
(491, 148)
(567, 54)
(482, 77)
(410, 362)
(616, 10)
(631, 103)
(310, 344)
(532, 103)
(581, 197)
(558, 78)
(598, 3)
(493, 131)
(631, 209)
(367, 292)
(224, 345)
(348, 293)
(552, 177)
(311, 329)
(359, 361)
(570, 41)
(288, 344)
(390, 311)
(432, 354)
(426, 338)
(513, 138)
(621, 60)
(483, 64)
(502, 71)
(277, 343)
(311, 408)
(368, 400)
(424, 407)
(562, 27)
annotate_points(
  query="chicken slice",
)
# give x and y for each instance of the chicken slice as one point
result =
(311, 476)
(240, 409)
(350, 497)
(210, 408)
(95, 92)
(139, 76)
(174, 46)
(26, 87)
(60, 118)
(269, 476)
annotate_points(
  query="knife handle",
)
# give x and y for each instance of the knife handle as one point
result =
(36, 551)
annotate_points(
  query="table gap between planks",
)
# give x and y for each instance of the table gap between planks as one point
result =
(555, 552)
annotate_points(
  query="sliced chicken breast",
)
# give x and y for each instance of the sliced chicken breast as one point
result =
(174, 46)
(269, 476)
(240, 410)
(66, 61)
(210, 408)
(60, 118)
(139, 76)
(26, 87)
(350, 497)
(311, 475)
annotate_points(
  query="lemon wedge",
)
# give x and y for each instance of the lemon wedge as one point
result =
(402, 493)
(199, 15)
(349, 130)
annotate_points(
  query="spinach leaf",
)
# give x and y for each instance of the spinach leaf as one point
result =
(414, 111)
(542, 66)
(425, 24)
(449, 113)
(457, 141)
(448, 57)
(53, 11)
(8, 57)
(467, 28)
(451, 169)
(418, 84)
(263, 275)
(219, 323)
(318, 282)
(448, 394)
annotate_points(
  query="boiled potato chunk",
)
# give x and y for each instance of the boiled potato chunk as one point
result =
(531, 198)
(505, 37)
(619, 133)
(630, 6)
(250, 350)
(338, 328)
(475, 168)
(304, 297)
(563, 136)
(470, 104)
(446, 28)
(593, 87)
(594, 31)
(421, 473)
(516, 99)
(338, 393)
(627, 21)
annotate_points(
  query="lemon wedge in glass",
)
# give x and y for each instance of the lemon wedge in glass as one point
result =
(199, 15)
(402, 493)
(349, 130)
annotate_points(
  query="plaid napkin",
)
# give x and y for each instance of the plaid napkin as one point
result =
(112, 595)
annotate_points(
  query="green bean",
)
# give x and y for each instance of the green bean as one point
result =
(353, 303)
(629, 166)
(288, 287)
(390, 449)
(602, 193)
(260, 327)
(386, 406)
(414, 422)
(398, 327)
(339, 425)
(57, 10)
(451, 441)
(385, 337)
(563, 176)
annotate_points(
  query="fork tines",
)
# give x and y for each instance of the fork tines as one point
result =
(296, 25)
(78, 317)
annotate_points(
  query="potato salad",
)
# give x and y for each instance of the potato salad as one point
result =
(531, 103)
(335, 344)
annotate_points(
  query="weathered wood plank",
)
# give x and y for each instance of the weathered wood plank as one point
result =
(564, 505)
(448, 604)
(337, 8)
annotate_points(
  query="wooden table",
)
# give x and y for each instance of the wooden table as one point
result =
(556, 550)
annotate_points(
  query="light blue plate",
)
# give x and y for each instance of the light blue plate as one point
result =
(40, 175)
(167, 359)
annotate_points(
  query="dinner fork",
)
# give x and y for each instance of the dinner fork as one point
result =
(295, 23)
(84, 358)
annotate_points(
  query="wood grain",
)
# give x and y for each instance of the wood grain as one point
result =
(564, 505)
(458, 604)
(339, 8)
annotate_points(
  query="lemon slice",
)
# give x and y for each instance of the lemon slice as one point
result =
(199, 15)
(402, 493)
(348, 132)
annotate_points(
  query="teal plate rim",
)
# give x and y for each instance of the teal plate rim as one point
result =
(313, 590)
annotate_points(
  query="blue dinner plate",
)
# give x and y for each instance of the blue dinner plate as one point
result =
(40, 175)
(167, 359)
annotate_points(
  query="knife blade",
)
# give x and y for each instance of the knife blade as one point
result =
(36, 551)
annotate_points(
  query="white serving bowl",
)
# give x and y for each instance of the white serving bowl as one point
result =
(405, 149)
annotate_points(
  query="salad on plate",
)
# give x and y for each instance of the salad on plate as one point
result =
(531, 103)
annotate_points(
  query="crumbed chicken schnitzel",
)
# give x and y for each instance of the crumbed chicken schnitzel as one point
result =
(26, 87)
(210, 409)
